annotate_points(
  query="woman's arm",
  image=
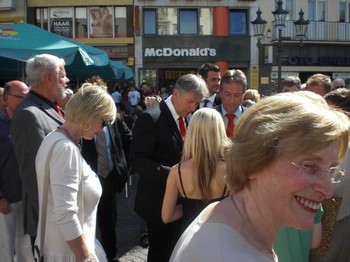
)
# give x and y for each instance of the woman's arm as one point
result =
(64, 183)
(171, 211)
(79, 249)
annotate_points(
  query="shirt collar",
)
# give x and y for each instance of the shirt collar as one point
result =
(171, 108)
(238, 112)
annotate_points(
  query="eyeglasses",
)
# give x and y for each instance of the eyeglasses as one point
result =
(105, 123)
(17, 96)
(339, 87)
(335, 173)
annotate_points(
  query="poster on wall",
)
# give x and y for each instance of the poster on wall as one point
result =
(62, 21)
(101, 22)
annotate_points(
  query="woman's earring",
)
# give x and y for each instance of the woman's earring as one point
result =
(85, 128)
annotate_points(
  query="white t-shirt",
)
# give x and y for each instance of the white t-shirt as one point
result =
(116, 97)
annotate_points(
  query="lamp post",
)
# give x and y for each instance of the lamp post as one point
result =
(280, 16)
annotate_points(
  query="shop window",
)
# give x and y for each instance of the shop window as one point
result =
(101, 21)
(81, 22)
(120, 24)
(61, 21)
(149, 21)
(42, 18)
(238, 22)
(188, 21)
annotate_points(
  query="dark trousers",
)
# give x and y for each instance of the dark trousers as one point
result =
(107, 214)
(162, 240)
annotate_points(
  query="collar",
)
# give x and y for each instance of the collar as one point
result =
(171, 108)
(42, 98)
(4, 116)
(238, 112)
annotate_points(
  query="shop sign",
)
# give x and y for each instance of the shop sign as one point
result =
(183, 52)
(322, 60)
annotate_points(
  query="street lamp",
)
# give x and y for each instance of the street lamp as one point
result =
(280, 16)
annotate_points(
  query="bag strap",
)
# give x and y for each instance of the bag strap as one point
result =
(45, 196)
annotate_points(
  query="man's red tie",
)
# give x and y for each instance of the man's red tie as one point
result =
(182, 127)
(58, 110)
(230, 125)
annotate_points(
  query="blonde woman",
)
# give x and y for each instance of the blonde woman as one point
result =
(199, 179)
(66, 232)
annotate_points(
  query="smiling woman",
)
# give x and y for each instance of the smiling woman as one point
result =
(294, 126)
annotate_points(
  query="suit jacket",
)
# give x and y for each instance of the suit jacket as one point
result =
(217, 101)
(120, 137)
(33, 119)
(156, 146)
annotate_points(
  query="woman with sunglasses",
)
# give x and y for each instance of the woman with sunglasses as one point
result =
(66, 231)
(280, 167)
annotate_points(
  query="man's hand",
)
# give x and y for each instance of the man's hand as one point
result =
(4, 206)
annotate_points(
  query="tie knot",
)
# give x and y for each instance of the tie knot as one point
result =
(205, 102)
(230, 116)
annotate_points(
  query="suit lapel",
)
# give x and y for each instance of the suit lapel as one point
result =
(169, 119)
(47, 109)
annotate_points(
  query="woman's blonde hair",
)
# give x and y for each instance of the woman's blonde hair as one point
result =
(90, 103)
(205, 143)
(287, 124)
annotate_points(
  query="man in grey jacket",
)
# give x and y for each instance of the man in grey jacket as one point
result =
(33, 119)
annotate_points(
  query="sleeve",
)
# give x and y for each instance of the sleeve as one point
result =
(64, 184)
(143, 146)
(25, 152)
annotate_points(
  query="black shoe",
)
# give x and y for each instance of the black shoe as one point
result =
(144, 240)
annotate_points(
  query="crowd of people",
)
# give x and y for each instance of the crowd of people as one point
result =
(223, 173)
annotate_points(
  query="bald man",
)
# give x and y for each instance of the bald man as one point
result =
(2, 102)
(12, 237)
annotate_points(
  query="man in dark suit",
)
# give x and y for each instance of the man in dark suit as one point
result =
(119, 137)
(156, 146)
(211, 75)
(33, 119)
(232, 87)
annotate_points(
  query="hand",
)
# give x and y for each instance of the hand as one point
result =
(4, 206)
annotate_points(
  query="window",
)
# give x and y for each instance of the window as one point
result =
(149, 21)
(238, 22)
(81, 22)
(287, 5)
(61, 21)
(167, 17)
(174, 21)
(41, 18)
(120, 24)
(342, 11)
(188, 20)
(317, 10)
(206, 21)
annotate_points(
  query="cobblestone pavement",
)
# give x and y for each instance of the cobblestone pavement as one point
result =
(128, 228)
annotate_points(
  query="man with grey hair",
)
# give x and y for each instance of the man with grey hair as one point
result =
(156, 146)
(338, 83)
(33, 119)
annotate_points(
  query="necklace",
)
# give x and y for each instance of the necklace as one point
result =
(65, 132)
(245, 221)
